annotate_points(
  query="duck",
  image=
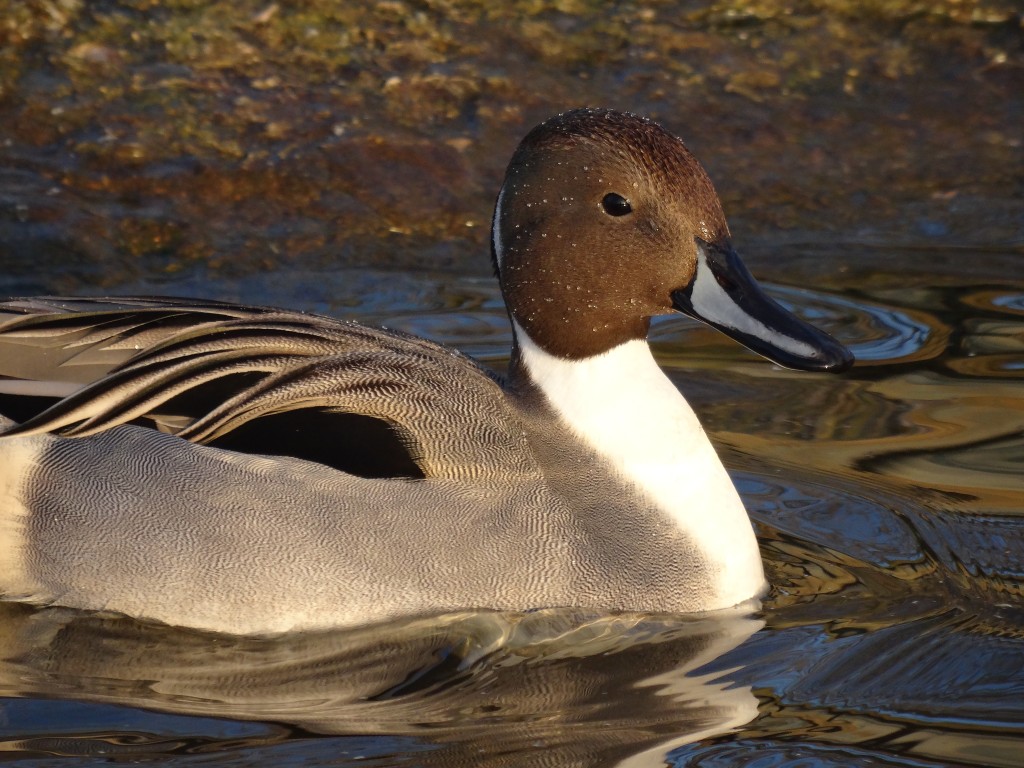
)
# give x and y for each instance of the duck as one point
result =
(250, 470)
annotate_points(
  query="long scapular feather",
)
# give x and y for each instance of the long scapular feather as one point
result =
(177, 365)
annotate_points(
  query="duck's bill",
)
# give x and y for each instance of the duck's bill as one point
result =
(724, 295)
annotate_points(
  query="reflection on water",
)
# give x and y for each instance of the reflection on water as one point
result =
(474, 689)
(876, 332)
(888, 503)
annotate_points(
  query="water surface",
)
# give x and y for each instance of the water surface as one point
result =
(888, 503)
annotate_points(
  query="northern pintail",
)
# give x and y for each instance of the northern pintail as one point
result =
(307, 472)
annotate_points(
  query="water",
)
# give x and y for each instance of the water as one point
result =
(888, 503)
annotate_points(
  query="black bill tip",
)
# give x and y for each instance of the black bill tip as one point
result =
(725, 295)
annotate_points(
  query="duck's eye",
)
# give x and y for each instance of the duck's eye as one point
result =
(615, 204)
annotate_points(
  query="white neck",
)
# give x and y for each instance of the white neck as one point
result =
(624, 407)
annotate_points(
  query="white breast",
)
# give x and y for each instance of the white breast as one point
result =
(623, 406)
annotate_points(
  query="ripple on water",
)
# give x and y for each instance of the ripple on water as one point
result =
(1007, 300)
(464, 689)
(875, 332)
(882, 645)
(865, 527)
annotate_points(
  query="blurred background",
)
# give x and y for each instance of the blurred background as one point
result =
(154, 141)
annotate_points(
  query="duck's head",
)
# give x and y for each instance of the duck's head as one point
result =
(606, 220)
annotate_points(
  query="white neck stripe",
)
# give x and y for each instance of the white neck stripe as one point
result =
(622, 405)
(499, 247)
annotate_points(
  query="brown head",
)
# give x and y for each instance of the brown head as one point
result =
(604, 221)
